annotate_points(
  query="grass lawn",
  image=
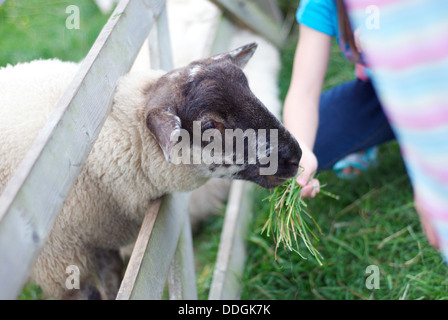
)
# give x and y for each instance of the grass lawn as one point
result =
(35, 29)
(373, 223)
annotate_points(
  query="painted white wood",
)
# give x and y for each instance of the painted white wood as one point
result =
(229, 268)
(223, 35)
(253, 16)
(182, 277)
(160, 52)
(270, 8)
(151, 273)
(36, 193)
(138, 253)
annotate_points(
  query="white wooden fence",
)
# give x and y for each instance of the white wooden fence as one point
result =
(163, 250)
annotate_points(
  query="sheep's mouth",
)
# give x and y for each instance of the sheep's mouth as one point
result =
(265, 181)
(274, 181)
(280, 177)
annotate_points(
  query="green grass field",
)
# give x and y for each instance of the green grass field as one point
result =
(373, 223)
(33, 29)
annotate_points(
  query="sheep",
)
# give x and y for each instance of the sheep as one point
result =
(129, 164)
(192, 25)
(262, 72)
(106, 6)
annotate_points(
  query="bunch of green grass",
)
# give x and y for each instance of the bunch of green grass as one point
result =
(289, 220)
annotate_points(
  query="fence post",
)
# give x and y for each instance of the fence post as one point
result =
(151, 273)
(227, 277)
(159, 41)
(181, 276)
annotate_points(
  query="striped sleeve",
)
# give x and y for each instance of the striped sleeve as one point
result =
(407, 50)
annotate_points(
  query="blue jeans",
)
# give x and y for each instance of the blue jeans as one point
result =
(351, 119)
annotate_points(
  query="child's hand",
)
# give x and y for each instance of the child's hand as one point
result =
(427, 225)
(308, 164)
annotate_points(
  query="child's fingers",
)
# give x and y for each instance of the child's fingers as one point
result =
(316, 187)
(311, 189)
(427, 224)
(304, 179)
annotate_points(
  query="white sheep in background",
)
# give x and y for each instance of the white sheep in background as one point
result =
(127, 166)
(106, 6)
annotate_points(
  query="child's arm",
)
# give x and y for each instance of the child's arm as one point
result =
(301, 109)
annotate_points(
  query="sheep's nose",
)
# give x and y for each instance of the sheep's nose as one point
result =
(294, 162)
(293, 156)
(291, 159)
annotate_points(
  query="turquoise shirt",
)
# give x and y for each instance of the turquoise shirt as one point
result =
(320, 15)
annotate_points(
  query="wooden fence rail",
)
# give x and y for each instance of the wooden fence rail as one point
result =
(259, 16)
(35, 194)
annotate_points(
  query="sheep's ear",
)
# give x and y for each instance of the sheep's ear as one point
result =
(239, 56)
(163, 124)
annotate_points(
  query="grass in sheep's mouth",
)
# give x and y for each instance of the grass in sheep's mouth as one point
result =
(289, 221)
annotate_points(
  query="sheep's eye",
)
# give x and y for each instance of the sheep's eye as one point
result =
(208, 125)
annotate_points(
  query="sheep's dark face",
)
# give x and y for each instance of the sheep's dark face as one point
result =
(214, 122)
